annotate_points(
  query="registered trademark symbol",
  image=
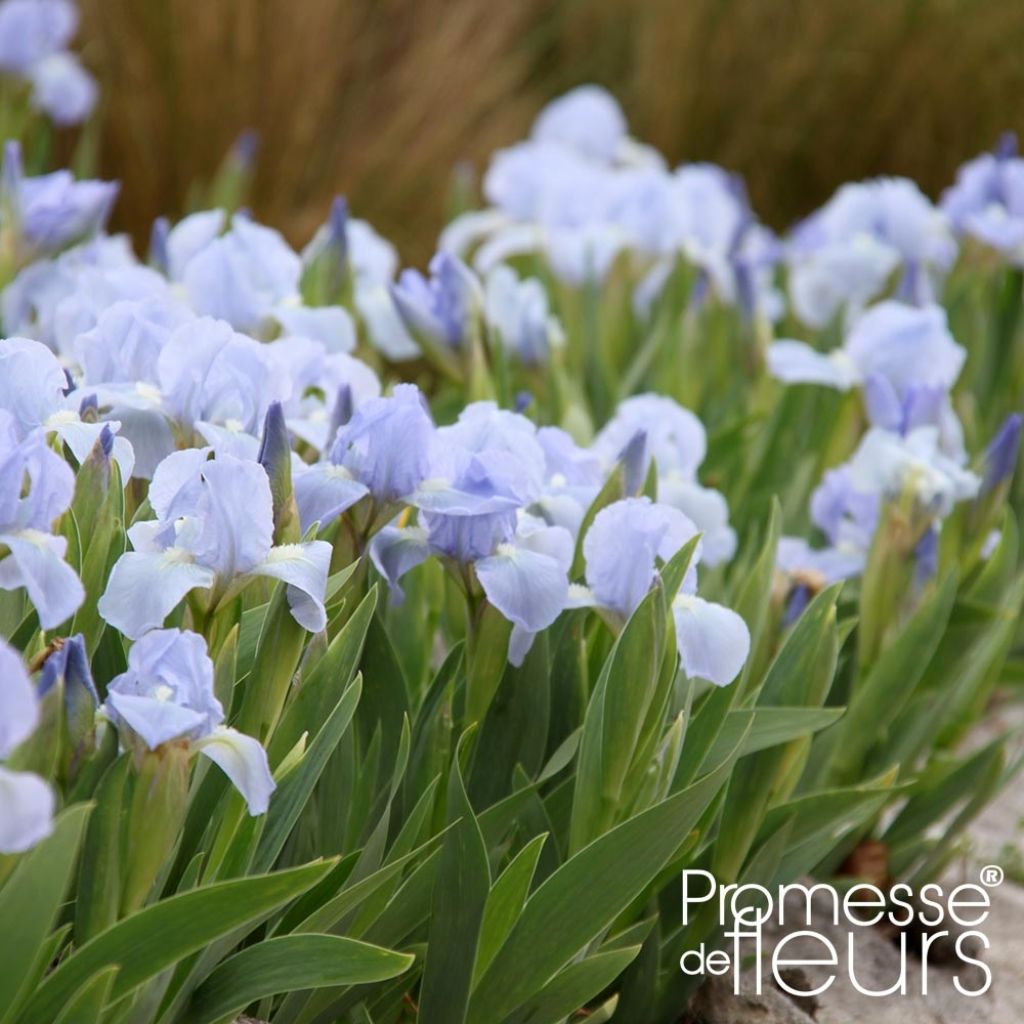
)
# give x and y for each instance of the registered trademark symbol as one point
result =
(992, 874)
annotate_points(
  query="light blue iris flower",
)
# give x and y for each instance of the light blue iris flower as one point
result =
(56, 300)
(517, 311)
(383, 451)
(26, 801)
(36, 487)
(677, 442)
(847, 518)
(33, 29)
(676, 438)
(34, 35)
(241, 275)
(32, 389)
(987, 201)
(440, 308)
(582, 193)
(161, 370)
(486, 470)
(214, 530)
(715, 228)
(886, 466)
(374, 262)
(468, 517)
(623, 548)
(905, 359)
(587, 119)
(63, 90)
(573, 476)
(357, 249)
(844, 254)
(167, 696)
(890, 465)
(52, 211)
(325, 391)
(903, 345)
(211, 373)
(124, 345)
(207, 376)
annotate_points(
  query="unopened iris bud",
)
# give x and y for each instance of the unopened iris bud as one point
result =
(231, 183)
(926, 557)
(275, 456)
(10, 176)
(344, 406)
(1001, 455)
(337, 231)
(327, 270)
(634, 463)
(89, 412)
(243, 153)
(158, 252)
(93, 481)
(1006, 147)
(105, 443)
(66, 669)
(997, 467)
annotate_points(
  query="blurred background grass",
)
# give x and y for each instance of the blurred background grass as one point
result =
(381, 99)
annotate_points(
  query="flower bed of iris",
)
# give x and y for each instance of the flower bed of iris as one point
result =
(629, 538)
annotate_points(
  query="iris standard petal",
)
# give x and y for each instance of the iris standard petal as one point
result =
(144, 589)
(709, 512)
(622, 547)
(149, 434)
(32, 382)
(180, 470)
(323, 492)
(244, 762)
(713, 641)
(235, 516)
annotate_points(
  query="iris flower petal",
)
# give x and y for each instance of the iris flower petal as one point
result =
(244, 762)
(395, 550)
(144, 589)
(155, 721)
(323, 492)
(797, 363)
(304, 568)
(713, 641)
(528, 585)
(19, 711)
(36, 563)
(26, 810)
